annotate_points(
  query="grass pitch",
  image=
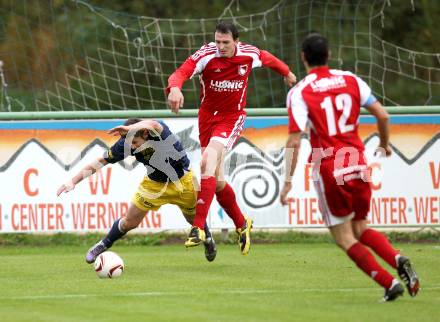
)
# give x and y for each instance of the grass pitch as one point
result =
(276, 282)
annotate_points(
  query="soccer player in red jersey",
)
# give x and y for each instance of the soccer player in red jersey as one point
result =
(223, 67)
(328, 102)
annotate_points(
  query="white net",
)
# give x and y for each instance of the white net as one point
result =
(72, 55)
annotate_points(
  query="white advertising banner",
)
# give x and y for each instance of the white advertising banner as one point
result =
(37, 157)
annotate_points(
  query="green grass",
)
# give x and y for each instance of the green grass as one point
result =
(276, 282)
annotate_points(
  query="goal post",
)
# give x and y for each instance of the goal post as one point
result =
(75, 56)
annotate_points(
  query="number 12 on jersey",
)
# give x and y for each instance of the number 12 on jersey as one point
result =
(343, 103)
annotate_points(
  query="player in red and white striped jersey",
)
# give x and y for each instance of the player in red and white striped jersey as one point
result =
(223, 67)
(328, 102)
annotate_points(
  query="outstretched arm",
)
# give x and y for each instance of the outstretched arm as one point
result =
(269, 60)
(86, 172)
(382, 118)
(175, 83)
(149, 125)
(291, 152)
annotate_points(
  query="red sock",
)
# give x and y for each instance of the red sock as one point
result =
(226, 199)
(204, 199)
(366, 262)
(381, 246)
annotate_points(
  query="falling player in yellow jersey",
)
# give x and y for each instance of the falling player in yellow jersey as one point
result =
(168, 180)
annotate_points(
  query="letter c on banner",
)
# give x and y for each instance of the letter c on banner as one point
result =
(26, 186)
(379, 176)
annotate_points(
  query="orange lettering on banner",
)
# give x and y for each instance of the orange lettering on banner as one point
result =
(435, 177)
(375, 211)
(307, 176)
(13, 223)
(96, 215)
(402, 211)
(434, 209)
(313, 210)
(78, 214)
(91, 216)
(305, 210)
(113, 212)
(393, 210)
(427, 210)
(388, 210)
(292, 211)
(100, 214)
(384, 202)
(152, 219)
(37, 217)
(371, 167)
(50, 217)
(146, 222)
(24, 218)
(33, 218)
(26, 185)
(421, 209)
(156, 219)
(42, 208)
(117, 211)
(98, 177)
(299, 221)
(59, 216)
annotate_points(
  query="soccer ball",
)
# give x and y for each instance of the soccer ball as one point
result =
(109, 265)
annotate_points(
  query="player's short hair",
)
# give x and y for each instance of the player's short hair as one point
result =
(131, 121)
(227, 27)
(315, 49)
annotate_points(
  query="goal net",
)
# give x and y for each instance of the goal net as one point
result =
(73, 55)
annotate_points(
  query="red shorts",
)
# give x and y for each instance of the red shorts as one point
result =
(342, 200)
(222, 128)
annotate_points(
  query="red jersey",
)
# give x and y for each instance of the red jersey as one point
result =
(329, 101)
(224, 80)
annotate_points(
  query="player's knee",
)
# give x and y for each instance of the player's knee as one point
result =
(345, 241)
(208, 164)
(340, 243)
(129, 224)
(357, 233)
(358, 229)
(220, 185)
(203, 165)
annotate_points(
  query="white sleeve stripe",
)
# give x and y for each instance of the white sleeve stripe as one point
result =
(250, 51)
(300, 113)
(256, 62)
(248, 46)
(196, 56)
(298, 105)
(364, 90)
(204, 50)
(289, 96)
(201, 64)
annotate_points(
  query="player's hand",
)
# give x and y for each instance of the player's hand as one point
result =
(383, 151)
(175, 99)
(290, 79)
(284, 192)
(119, 130)
(65, 188)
